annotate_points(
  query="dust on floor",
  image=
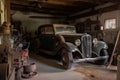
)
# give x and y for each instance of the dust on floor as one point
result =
(97, 72)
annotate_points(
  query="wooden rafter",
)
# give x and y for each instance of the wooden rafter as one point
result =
(94, 12)
(64, 2)
(48, 7)
(59, 7)
(27, 8)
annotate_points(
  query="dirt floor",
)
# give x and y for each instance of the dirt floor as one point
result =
(97, 72)
(49, 69)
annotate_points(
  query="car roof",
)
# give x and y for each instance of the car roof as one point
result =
(53, 25)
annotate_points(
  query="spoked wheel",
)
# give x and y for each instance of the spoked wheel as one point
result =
(103, 61)
(66, 58)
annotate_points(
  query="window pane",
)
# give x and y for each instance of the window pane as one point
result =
(110, 24)
(48, 30)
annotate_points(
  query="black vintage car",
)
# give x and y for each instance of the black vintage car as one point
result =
(62, 40)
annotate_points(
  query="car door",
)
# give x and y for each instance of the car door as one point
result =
(47, 38)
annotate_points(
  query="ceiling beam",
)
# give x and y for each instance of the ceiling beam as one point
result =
(23, 2)
(63, 8)
(26, 8)
(55, 7)
(47, 17)
(94, 12)
(67, 10)
(85, 1)
(70, 1)
(91, 1)
(56, 2)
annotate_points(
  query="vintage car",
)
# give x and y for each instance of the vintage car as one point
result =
(71, 47)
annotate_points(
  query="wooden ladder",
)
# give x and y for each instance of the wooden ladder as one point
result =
(115, 49)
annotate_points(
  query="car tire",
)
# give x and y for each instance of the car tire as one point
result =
(103, 61)
(66, 58)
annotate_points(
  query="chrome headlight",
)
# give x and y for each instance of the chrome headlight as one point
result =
(77, 42)
(95, 41)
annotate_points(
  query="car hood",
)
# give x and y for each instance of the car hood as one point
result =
(71, 35)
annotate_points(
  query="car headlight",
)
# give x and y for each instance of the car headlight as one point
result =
(77, 42)
(95, 41)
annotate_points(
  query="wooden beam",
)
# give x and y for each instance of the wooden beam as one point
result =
(56, 2)
(94, 12)
(19, 2)
(91, 1)
(27, 8)
(2, 11)
(85, 1)
(64, 2)
(7, 10)
(62, 8)
(47, 6)
(50, 8)
(59, 5)
(47, 17)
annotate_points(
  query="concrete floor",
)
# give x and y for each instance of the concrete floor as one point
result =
(49, 69)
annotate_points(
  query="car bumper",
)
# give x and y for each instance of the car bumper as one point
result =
(89, 59)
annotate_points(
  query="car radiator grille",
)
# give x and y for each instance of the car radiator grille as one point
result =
(86, 45)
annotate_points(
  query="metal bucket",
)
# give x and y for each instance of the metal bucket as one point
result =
(29, 68)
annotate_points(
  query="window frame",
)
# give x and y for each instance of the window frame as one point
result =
(44, 30)
(110, 28)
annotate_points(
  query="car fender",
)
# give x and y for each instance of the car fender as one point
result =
(99, 46)
(69, 46)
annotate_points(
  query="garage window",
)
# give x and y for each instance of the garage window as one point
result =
(110, 23)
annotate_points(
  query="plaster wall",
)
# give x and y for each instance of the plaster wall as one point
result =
(31, 24)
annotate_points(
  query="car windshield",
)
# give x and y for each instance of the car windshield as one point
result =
(65, 29)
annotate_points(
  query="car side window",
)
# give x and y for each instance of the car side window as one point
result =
(42, 30)
(48, 30)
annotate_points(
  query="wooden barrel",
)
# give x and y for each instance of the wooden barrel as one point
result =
(118, 67)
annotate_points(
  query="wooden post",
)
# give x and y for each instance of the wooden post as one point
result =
(7, 11)
(2, 10)
(118, 67)
(116, 46)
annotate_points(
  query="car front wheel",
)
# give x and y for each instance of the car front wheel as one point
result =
(102, 61)
(66, 58)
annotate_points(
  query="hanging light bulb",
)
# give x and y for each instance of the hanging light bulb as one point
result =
(101, 28)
